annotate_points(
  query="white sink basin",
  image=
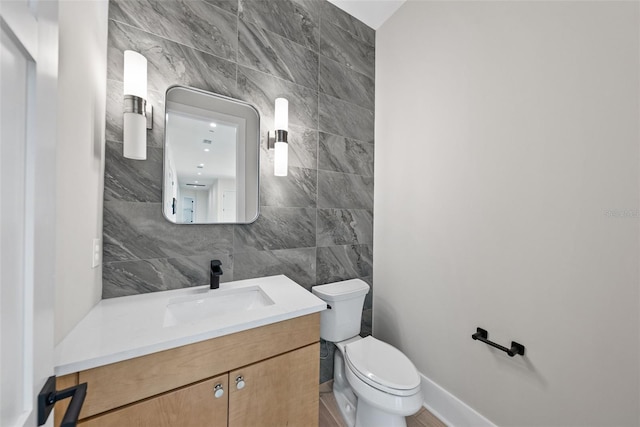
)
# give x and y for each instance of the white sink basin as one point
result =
(211, 304)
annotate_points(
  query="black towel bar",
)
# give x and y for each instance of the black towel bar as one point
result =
(483, 335)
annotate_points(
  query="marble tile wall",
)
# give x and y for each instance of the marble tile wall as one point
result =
(316, 224)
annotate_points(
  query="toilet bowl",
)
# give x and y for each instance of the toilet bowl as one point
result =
(375, 384)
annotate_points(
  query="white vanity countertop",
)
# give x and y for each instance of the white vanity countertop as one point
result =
(122, 328)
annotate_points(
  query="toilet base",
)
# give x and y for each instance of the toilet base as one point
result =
(347, 404)
(345, 398)
(370, 416)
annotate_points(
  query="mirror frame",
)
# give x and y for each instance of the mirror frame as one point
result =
(219, 97)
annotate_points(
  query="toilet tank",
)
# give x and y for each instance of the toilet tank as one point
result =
(346, 299)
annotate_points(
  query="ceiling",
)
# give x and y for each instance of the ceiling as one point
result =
(372, 12)
(206, 151)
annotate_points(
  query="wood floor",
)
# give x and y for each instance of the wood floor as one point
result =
(330, 414)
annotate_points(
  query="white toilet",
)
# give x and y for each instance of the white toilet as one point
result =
(374, 383)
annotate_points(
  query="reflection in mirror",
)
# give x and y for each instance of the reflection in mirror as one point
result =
(211, 158)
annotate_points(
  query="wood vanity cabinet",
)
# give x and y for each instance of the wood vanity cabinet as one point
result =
(269, 376)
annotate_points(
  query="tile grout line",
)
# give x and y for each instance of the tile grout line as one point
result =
(234, 226)
(171, 40)
(320, 18)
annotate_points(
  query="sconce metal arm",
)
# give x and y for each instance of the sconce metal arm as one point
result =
(277, 136)
(135, 104)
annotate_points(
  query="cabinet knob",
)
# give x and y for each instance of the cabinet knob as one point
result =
(218, 391)
(239, 382)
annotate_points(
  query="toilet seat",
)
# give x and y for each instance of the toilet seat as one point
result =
(382, 366)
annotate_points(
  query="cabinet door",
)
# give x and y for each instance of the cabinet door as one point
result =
(281, 391)
(191, 406)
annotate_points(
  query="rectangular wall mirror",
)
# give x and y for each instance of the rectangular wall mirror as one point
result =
(211, 158)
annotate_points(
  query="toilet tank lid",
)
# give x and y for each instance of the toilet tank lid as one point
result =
(341, 290)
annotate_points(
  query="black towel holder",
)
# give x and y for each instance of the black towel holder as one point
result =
(483, 335)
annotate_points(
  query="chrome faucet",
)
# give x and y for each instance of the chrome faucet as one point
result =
(214, 274)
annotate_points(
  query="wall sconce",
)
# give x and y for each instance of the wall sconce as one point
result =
(135, 122)
(278, 141)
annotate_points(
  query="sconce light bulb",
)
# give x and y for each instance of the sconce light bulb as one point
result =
(135, 74)
(134, 138)
(281, 116)
(281, 159)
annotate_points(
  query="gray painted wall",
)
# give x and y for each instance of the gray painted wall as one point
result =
(82, 73)
(315, 225)
(522, 130)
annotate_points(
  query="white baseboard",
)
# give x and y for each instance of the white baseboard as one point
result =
(448, 408)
